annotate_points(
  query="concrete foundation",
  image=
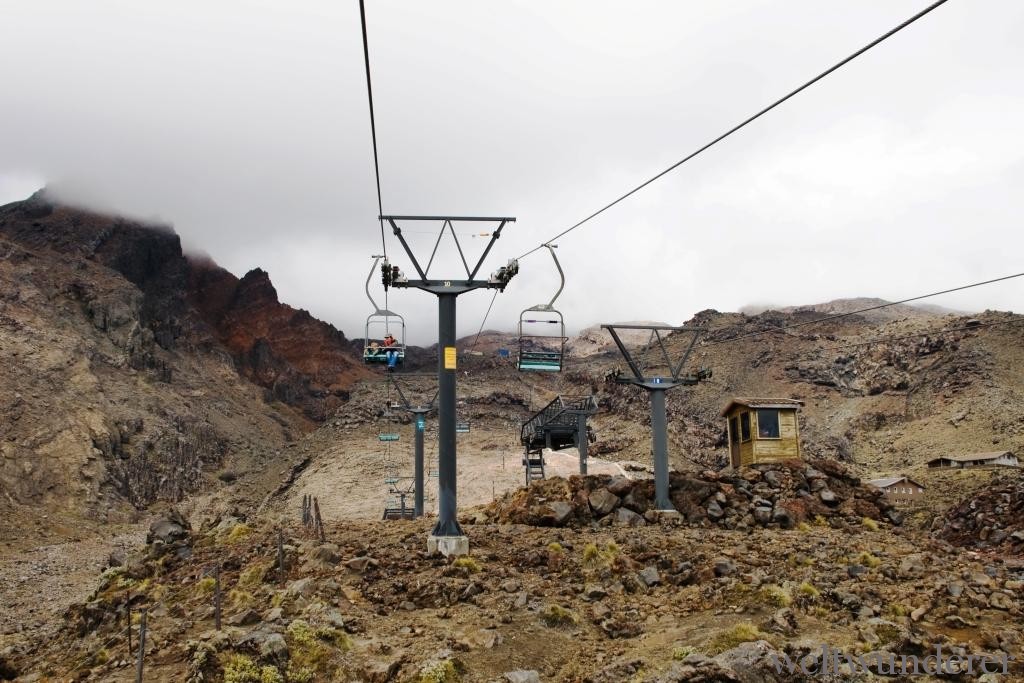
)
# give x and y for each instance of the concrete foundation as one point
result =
(448, 545)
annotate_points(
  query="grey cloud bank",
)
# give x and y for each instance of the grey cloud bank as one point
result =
(245, 125)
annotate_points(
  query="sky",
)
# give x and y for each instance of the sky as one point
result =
(245, 125)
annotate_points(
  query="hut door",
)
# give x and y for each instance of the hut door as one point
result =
(734, 442)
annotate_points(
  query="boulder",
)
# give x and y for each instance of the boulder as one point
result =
(274, 647)
(244, 618)
(723, 566)
(556, 513)
(361, 565)
(328, 553)
(602, 501)
(620, 485)
(626, 517)
(649, 576)
(168, 529)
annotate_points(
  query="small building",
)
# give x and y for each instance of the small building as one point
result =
(993, 459)
(762, 430)
(901, 490)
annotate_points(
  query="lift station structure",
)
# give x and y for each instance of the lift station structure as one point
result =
(560, 424)
(447, 536)
(656, 386)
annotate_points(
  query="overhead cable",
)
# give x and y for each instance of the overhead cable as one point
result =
(732, 130)
(373, 123)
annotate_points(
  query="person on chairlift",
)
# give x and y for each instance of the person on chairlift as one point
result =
(392, 353)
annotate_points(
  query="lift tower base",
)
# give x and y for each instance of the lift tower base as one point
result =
(449, 546)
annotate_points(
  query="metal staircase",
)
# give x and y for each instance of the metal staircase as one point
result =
(554, 427)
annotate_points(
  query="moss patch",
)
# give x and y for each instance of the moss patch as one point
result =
(241, 669)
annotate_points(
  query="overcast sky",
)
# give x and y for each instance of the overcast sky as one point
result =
(245, 125)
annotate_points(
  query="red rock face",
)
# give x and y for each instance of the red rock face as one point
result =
(300, 360)
(192, 303)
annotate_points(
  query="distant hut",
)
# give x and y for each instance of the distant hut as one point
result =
(993, 459)
(901, 490)
(762, 430)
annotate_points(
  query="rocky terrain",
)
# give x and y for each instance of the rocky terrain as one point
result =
(134, 377)
(130, 374)
(992, 520)
(601, 602)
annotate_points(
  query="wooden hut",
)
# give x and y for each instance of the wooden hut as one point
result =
(762, 430)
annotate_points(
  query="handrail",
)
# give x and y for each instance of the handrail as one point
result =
(560, 412)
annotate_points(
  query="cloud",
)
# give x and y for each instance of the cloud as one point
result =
(245, 125)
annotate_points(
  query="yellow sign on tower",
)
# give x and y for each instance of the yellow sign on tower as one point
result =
(449, 358)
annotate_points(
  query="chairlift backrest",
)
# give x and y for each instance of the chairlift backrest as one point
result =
(542, 338)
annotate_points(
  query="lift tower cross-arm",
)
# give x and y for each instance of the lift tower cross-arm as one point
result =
(656, 386)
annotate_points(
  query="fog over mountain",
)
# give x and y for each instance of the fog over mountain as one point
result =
(247, 129)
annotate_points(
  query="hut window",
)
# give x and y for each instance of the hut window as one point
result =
(745, 426)
(768, 424)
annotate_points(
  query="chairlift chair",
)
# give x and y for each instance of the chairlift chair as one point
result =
(382, 320)
(541, 347)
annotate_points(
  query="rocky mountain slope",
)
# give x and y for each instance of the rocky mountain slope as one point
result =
(131, 374)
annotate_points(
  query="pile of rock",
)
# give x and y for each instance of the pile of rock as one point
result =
(779, 495)
(992, 520)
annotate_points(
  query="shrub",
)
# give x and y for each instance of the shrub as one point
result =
(238, 533)
(554, 547)
(241, 669)
(205, 586)
(240, 599)
(777, 596)
(869, 523)
(868, 560)
(556, 615)
(897, 610)
(309, 649)
(467, 562)
(803, 527)
(253, 575)
(742, 632)
(681, 653)
(594, 557)
(444, 671)
(807, 590)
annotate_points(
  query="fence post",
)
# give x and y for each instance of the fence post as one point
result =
(280, 554)
(319, 522)
(216, 596)
(128, 611)
(142, 645)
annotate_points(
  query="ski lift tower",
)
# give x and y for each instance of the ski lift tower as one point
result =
(419, 411)
(656, 386)
(447, 536)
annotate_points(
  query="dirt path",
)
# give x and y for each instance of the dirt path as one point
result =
(348, 479)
